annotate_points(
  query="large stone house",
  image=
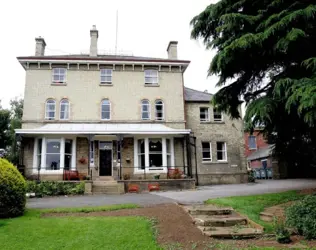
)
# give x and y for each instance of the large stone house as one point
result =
(123, 117)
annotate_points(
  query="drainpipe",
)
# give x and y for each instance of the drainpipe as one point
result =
(196, 168)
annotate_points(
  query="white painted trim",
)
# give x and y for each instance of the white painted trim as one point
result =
(106, 105)
(43, 159)
(149, 110)
(164, 152)
(146, 141)
(74, 154)
(135, 154)
(172, 151)
(35, 165)
(62, 153)
(163, 109)
(101, 132)
(48, 118)
(68, 104)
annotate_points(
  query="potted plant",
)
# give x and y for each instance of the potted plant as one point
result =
(157, 176)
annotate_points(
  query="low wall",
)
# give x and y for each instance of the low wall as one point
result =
(164, 184)
(222, 178)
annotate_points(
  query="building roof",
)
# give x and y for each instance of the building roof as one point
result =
(261, 153)
(86, 57)
(192, 95)
(102, 129)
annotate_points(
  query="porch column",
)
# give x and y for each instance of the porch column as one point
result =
(73, 153)
(172, 151)
(164, 152)
(43, 159)
(146, 152)
(62, 153)
(35, 163)
(135, 155)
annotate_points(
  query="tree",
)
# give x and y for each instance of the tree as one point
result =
(266, 57)
(4, 127)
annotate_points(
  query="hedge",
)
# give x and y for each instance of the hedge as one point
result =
(54, 188)
(12, 190)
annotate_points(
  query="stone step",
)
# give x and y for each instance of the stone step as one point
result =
(219, 220)
(104, 178)
(117, 188)
(231, 232)
(209, 210)
(104, 183)
(264, 216)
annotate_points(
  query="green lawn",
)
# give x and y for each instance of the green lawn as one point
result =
(33, 232)
(252, 205)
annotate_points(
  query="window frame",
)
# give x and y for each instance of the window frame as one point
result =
(106, 75)
(215, 112)
(46, 110)
(208, 114)
(59, 153)
(148, 109)
(255, 141)
(139, 153)
(59, 75)
(210, 148)
(60, 109)
(151, 76)
(155, 153)
(162, 108)
(109, 104)
(225, 151)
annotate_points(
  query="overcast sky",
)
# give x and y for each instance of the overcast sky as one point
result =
(145, 28)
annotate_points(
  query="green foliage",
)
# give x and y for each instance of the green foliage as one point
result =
(282, 234)
(302, 216)
(12, 191)
(53, 188)
(4, 128)
(252, 205)
(251, 176)
(266, 57)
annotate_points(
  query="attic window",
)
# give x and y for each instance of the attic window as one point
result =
(59, 75)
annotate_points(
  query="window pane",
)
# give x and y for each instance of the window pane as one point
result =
(39, 146)
(252, 142)
(206, 155)
(145, 107)
(221, 151)
(141, 147)
(168, 145)
(204, 114)
(67, 162)
(141, 161)
(155, 160)
(206, 146)
(68, 146)
(52, 161)
(145, 115)
(155, 145)
(169, 160)
(53, 146)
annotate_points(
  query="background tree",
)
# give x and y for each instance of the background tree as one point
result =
(266, 57)
(4, 127)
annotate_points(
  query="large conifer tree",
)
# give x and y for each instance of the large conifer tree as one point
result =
(266, 57)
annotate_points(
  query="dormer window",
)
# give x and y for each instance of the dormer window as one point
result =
(59, 75)
(106, 76)
(151, 77)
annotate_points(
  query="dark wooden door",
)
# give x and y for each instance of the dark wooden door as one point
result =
(105, 162)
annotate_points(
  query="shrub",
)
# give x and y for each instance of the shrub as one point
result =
(53, 188)
(251, 176)
(12, 191)
(282, 234)
(302, 216)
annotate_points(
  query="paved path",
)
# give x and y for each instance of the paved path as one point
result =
(200, 195)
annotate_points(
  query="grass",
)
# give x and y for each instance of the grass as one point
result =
(252, 205)
(32, 231)
(89, 209)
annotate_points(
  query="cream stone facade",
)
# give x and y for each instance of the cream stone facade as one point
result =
(123, 117)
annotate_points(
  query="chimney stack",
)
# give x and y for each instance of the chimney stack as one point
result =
(173, 50)
(40, 46)
(94, 34)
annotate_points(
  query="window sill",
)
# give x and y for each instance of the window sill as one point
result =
(106, 84)
(58, 84)
(151, 85)
(211, 122)
(214, 162)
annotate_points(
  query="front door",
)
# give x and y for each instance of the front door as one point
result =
(105, 157)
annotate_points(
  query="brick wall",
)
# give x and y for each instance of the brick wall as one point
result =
(260, 142)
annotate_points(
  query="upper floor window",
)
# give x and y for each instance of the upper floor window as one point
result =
(105, 110)
(218, 117)
(204, 114)
(145, 110)
(221, 151)
(50, 109)
(252, 144)
(64, 109)
(59, 75)
(151, 77)
(159, 110)
(106, 76)
(206, 151)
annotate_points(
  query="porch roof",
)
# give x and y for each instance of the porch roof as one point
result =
(102, 129)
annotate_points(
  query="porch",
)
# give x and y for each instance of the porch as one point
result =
(105, 152)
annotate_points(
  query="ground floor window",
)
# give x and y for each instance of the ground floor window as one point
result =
(221, 151)
(92, 153)
(54, 154)
(206, 151)
(154, 153)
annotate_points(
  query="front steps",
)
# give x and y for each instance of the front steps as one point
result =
(221, 222)
(107, 185)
